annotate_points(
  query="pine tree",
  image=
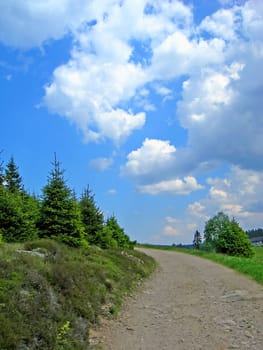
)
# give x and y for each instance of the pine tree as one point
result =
(197, 240)
(13, 180)
(92, 217)
(60, 216)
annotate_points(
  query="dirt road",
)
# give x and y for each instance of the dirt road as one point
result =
(189, 304)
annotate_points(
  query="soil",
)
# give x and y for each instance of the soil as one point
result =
(189, 303)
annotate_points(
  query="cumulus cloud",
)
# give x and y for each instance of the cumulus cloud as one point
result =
(123, 49)
(238, 194)
(220, 105)
(152, 158)
(172, 186)
(223, 23)
(93, 89)
(29, 23)
(88, 97)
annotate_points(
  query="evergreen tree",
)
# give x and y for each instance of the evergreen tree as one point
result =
(60, 216)
(13, 180)
(18, 216)
(197, 240)
(92, 217)
(117, 232)
(18, 210)
(1, 170)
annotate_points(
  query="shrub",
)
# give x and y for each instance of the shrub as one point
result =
(227, 237)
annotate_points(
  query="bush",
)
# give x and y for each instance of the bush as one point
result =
(234, 241)
(227, 237)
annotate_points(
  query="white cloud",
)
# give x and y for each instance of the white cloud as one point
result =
(221, 105)
(172, 186)
(222, 23)
(101, 163)
(239, 194)
(196, 209)
(178, 228)
(29, 23)
(122, 50)
(87, 92)
(92, 90)
(154, 156)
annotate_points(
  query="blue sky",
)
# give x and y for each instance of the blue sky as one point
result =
(156, 105)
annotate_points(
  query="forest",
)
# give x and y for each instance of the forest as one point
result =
(56, 214)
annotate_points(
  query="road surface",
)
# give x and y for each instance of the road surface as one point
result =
(188, 304)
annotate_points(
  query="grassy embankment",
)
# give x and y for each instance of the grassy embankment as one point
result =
(252, 267)
(50, 294)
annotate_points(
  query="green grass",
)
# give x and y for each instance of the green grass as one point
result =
(252, 267)
(50, 301)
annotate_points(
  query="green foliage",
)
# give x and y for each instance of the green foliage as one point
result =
(92, 217)
(117, 233)
(255, 233)
(252, 267)
(234, 241)
(18, 210)
(18, 215)
(227, 237)
(197, 240)
(213, 228)
(60, 216)
(12, 178)
(1, 170)
(51, 294)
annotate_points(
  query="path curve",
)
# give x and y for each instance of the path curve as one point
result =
(188, 304)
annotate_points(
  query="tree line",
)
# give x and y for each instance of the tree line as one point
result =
(56, 214)
(225, 236)
(255, 233)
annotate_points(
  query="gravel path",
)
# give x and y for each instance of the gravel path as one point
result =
(189, 303)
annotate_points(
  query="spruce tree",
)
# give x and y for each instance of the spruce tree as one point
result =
(18, 216)
(18, 210)
(60, 216)
(13, 180)
(92, 217)
(197, 240)
(117, 232)
(1, 170)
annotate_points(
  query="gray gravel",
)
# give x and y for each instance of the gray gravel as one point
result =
(188, 304)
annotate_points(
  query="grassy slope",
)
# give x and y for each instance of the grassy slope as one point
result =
(49, 301)
(252, 267)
